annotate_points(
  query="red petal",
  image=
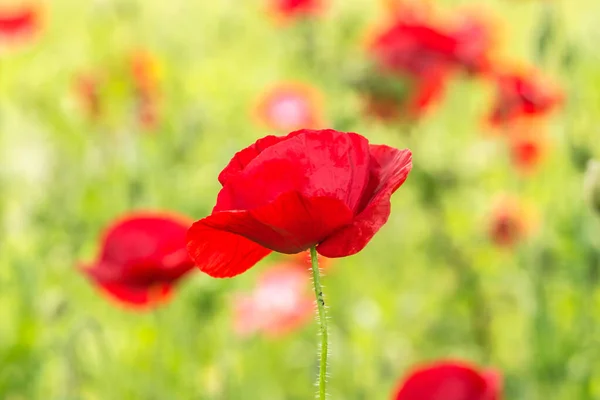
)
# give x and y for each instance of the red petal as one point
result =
(18, 22)
(242, 158)
(315, 163)
(138, 297)
(146, 247)
(494, 384)
(389, 169)
(227, 243)
(447, 381)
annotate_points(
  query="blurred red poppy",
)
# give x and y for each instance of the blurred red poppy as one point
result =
(142, 256)
(145, 73)
(23, 21)
(411, 66)
(523, 94)
(288, 9)
(474, 41)
(526, 153)
(88, 90)
(290, 106)
(510, 222)
(449, 380)
(288, 193)
(414, 56)
(280, 303)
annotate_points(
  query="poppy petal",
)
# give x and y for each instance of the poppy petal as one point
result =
(389, 170)
(227, 243)
(131, 295)
(137, 297)
(494, 383)
(315, 163)
(219, 253)
(145, 239)
(448, 381)
(21, 21)
(242, 158)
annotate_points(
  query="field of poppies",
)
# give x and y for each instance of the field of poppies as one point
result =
(137, 169)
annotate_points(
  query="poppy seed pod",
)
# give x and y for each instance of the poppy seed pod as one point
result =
(591, 185)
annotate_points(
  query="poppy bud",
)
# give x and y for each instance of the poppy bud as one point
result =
(591, 185)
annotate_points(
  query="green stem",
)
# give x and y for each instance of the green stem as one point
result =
(324, 350)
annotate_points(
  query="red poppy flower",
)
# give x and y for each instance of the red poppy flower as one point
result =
(288, 9)
(449, 380)
(510, 222)
(411, 67)
(523, 95)
(527, 151)
(144, 69)
(142, 257)
(290, 106)
(474, 41)
(280, 303)
(87, 88)
(312, 187)
(19, 22)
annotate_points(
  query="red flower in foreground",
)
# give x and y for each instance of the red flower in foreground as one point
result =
(296, 8)
(523, 95)
(280, 303)
(142, 257)
(290, 106)
(288, 193)
(19, 22)
(510, 222)
(449, 380)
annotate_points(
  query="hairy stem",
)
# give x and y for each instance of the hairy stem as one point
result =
(323, 351)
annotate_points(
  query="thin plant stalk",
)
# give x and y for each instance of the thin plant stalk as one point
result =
(322, 318)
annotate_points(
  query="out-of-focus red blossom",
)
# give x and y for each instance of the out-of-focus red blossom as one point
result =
(409, 50)
(527, 145)
(523, 94)
(288, 193)
(510, 222)
(421, 52)
(144, 70)
(526, 153)
(87, 88)
(19, 22)
(142, 257)
(450, 380)
(289, 106)
(474, 35)
(293, 9)
(280, 303)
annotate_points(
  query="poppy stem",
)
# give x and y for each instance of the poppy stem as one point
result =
(324, 349)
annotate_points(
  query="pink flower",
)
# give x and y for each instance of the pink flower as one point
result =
(290, 106)
(280, 303)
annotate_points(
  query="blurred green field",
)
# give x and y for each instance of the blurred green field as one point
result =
(430, 285)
